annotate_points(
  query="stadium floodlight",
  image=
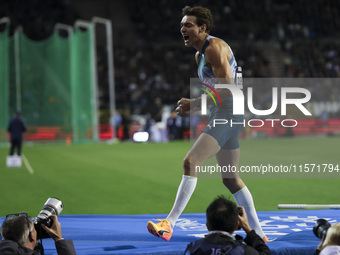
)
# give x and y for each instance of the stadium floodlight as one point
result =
(110, 67)
(307, 206)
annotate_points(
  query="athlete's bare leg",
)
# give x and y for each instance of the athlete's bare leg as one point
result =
(230, 158)
(204, 148)
(237, 187)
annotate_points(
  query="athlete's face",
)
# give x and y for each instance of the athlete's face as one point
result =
(190, 31)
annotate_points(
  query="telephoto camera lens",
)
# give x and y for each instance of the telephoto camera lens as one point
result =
(53, 206)
(321, 227)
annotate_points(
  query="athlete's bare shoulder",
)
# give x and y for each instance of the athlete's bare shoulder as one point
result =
(217, 52)
(196, 56)
(217, 47)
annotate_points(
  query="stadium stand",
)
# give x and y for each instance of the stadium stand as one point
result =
(268, 39)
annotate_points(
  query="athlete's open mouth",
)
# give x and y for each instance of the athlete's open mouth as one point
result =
(185, 37)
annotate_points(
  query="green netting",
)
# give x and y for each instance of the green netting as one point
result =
(51, 82)
(83, 101)
(45, 81)
(4, 81)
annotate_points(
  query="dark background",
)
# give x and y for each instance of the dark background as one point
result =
(283, 38)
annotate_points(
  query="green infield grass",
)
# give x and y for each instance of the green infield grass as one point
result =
(135, 178)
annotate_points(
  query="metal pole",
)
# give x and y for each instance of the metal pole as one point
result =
(6, 104)
(110, 65)
(5, 20)
(89, 25)
(17, 67)
(69, 30)
(64, 27)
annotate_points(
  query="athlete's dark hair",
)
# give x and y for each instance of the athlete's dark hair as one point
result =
(202, 14)
(222, 214)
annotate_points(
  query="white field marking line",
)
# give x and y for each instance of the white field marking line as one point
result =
(27, 164)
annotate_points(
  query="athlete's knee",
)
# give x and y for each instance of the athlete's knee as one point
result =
(227, 182)
(233, 184)
(188, 166)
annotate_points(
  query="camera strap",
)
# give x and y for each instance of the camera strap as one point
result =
(39, 249)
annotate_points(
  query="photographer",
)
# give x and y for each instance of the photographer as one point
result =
(331, 244)
(20, 236)
(223, 218)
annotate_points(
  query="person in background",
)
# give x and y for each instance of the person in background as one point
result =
(16, 128)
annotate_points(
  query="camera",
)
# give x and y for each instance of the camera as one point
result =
(53, 206)
(321, 227)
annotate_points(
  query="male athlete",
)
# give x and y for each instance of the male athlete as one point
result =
(215, 59)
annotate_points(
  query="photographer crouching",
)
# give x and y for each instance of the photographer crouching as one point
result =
(223, 218)
(21, 234)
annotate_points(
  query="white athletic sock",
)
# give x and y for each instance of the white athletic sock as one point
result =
(184, 192)
(244, 198)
